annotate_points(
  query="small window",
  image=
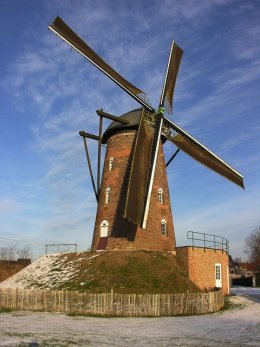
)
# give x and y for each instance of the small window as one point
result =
(104, 228)
(163, 227)
(160, 196)
(111, 164)
(218, 276)
(107, 198)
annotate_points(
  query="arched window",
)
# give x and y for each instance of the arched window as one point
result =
(104, 228)
(160, 196)
(107, 198)
(111, 164)
(163, 227)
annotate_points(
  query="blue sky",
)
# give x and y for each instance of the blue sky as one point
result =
(49, 93)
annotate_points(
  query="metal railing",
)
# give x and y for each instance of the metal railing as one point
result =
(208, 241)
(61, 247)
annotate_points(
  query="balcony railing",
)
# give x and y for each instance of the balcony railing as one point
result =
(208, 241)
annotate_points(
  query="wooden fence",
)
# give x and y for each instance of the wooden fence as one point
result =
(111, 304)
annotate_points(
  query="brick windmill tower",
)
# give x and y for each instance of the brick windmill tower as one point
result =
(113, 230)
(134, 211)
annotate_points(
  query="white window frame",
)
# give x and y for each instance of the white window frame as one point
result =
(104, 226)
(160, 196)
(107, 195)
(163, 227)
(111, 164)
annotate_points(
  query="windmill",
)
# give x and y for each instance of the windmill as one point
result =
(139, 215)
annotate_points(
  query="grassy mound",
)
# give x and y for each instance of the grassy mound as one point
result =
(135, 272)
(124, 272)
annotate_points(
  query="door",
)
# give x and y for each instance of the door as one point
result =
(218, 276)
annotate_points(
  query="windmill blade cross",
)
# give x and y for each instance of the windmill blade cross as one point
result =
(170, 77)
(199, 152)
(60, 28)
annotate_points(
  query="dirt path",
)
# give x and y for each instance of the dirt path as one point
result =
(239, 326)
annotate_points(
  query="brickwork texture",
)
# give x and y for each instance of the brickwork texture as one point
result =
(9, 268)
(123, 234)
(199, 264)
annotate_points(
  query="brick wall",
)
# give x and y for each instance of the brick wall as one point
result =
(9, 268)
(123, 234)
(199, 264)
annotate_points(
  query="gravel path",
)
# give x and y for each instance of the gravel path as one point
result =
(239, 326)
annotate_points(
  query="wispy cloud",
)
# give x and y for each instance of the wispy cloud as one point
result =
(230, 219)
(191, 9)
(59, 92)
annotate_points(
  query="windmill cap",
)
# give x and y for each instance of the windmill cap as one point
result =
(133, 118)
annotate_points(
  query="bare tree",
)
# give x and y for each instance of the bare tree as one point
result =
(237, 260)
(24, 253)
(8, 253)
(252, 245)
(3, 253)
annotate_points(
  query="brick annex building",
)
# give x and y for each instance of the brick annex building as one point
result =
(207, 268)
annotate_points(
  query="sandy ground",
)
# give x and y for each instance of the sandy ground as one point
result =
(238, 326)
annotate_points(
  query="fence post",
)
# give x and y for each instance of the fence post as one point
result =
(111, 301)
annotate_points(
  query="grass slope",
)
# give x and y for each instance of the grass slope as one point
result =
(124, 272)
(134, 272)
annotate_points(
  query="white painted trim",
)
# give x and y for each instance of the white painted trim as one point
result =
(148, 200)
(218, 282)
(228, 279)
(104, 228)
(166, 75)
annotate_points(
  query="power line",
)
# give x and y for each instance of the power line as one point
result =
(34, 243)
(18, 235)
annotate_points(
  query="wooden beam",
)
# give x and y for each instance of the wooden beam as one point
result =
(172, 157)
(90, 168)
(90, 136)
(110, 116)
(99, 153)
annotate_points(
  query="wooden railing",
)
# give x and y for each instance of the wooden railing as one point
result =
(111, 304)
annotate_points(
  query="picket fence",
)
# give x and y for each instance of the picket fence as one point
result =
(111, 304)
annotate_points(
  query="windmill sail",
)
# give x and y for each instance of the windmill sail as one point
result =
(170, 77)
(60, 28)
(137, 187)
(166, 102)
(201, 153)
(143, 205)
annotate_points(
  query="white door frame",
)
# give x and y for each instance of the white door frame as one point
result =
(218, 275)
(104, 228)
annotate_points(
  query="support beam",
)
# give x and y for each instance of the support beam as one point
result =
(99, 153)
(90, 168)
(90, 136)
(110, 116)
(172, 157)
